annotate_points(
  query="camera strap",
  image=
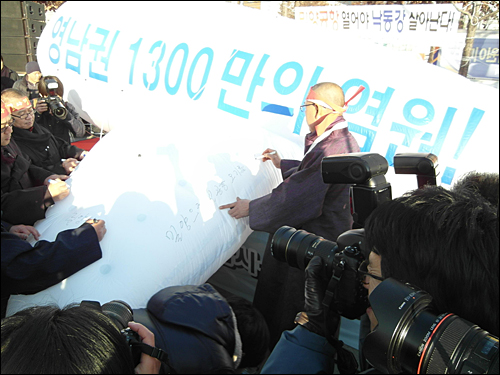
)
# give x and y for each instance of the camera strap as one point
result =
(332, 285)
(155, 353)
(346, 361)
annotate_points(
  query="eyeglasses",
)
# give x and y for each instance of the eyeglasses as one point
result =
(303, 107)
(26, 115)
(10, 124)
(363, 269)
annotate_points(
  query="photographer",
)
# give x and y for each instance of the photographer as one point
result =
(75, 339)
(66, 126)
(204, 333)
(445, 243)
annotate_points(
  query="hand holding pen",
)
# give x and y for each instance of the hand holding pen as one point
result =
(270, 154)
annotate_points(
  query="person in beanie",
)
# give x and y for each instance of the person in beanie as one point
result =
(29, 83)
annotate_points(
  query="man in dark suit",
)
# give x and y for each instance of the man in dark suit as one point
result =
(30, 269)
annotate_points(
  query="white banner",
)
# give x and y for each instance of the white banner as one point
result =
(191, 92)
(433, 22)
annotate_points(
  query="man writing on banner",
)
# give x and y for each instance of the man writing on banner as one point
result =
(302, 201)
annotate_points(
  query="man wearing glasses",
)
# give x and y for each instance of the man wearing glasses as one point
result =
(38, 143)
(443, 242)
(27, 190)
(301, 201)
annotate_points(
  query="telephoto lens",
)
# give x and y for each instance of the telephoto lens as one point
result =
(298, 247)
(58, 109)
(120, 314)
(411, 338)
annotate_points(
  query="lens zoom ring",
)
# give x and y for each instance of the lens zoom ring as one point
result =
(445, 346)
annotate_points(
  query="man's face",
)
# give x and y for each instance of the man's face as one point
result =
(6, 130)
(34, 77)
(24, 118)
(374, 268)
(311, 112)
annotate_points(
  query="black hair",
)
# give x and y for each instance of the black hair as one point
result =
(485, 183)
(253, 331)
(72, 340)
(445, 243)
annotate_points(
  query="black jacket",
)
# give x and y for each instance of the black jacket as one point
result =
(44, 149)
(24, 197)
(62, 128)
(195, 326)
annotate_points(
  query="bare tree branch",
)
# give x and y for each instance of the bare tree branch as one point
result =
(462, 10)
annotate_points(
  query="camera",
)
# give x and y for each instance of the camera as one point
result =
(54, 102)
(411, 338)
(342, 259)
(298, 247)
(120, 313)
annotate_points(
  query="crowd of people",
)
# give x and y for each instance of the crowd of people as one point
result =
(444, 241)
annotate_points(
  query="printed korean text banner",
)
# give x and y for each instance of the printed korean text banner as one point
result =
(191, 93)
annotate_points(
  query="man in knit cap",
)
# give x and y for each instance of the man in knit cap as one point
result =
(302, 201)
(29, 83)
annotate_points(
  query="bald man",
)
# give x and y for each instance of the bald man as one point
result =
(302, 201)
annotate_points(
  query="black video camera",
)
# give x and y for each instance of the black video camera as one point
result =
(54, 101)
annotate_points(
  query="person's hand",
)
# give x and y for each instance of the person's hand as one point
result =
(99, 226)
(58, 189)
(62, 177)
(274, 158)
(315, 288)
(41, 106)
(238, 209)
(69, 165)
(148, 365)
(23, 231)
(82, 155)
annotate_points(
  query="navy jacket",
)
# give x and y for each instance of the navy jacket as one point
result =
(30, 269)
(195, 326)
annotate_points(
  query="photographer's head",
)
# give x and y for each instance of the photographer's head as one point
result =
(45, 90)
(485, 183)
(74, 339)
(33, 72)
(445, 243)
(20, 108)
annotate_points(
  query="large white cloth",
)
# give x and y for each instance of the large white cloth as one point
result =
(191, 92)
